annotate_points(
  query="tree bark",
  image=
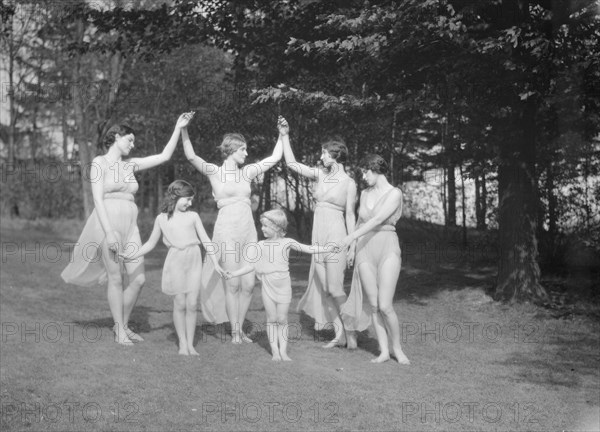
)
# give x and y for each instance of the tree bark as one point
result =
(518, 270)
(81, 129)
(451, 197)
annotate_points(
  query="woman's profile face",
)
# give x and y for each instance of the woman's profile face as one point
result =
(326, 158)
(239, 156)
(369, 177)
(124, 143)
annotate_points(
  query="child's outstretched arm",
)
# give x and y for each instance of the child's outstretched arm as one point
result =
(205, 239)
(148, 246)
(240, 272)
(312, 249)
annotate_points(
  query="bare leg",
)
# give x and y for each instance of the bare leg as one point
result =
(179, 322)
(368, 279)
(282, 333)
(272, 327)
(389, 272)
(191, 307)
(247, 287)
(137, 279)
(232, 294)
(114, 293)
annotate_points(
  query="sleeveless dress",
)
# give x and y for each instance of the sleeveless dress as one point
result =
(373, 248)
(86, 266)
(182, 270)
(273, 270)
(234, 230)
(329, 226)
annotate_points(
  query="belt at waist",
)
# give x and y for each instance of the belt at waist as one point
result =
(119, 196)
(325, 204)
(184, 247)
(233, 200)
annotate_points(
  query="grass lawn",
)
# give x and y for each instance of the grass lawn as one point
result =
(475, 364)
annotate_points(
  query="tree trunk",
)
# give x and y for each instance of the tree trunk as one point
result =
(451, 197)
(518, 270)
(81, 129)
(483, 201)
(464, 207)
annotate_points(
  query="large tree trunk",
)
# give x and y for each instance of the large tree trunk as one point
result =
(518, 269)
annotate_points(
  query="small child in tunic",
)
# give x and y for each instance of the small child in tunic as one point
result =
(272, 269)
(182, 231)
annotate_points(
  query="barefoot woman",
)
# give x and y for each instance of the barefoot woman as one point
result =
(335, 193)
(234, 229)
(378, 261)
(112, 226)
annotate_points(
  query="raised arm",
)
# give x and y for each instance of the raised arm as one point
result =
(254, 170)
(290, 160)
(148, 246)
(199, 163)
(165, 155)
(98, 171)
(388, 208)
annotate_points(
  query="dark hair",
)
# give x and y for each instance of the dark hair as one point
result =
(375, 163)
(111, 135)
(177, 189)
(337, 149)
(231, 142)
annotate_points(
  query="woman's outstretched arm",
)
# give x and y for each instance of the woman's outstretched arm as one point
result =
(157, 159)
(199, 163)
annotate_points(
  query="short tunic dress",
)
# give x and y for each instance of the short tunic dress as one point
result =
(234, 231)
(273, 270)
(373, 248)
(329, 226)
(182, 271)
(87, 264)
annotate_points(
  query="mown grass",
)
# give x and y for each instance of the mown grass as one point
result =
(476, 364)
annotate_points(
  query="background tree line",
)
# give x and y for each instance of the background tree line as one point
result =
(499, 101)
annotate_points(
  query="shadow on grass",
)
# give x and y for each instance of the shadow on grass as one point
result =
(138, 322)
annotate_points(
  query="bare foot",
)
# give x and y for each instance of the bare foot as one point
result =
(183, 351)
(276, 357)
(133, 335)
(382, 358)
(401, 357)
(351, 338)
(285, 357)
(121, 336)
(192, 351)
(335, 342)
(246, 339)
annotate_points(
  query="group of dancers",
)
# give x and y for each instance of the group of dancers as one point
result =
(224, 282)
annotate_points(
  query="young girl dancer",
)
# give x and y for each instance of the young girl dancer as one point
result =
(182, 231)
(272, 268)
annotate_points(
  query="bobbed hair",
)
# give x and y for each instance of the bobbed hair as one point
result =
(375, 163)
(337, 149)
(110, 136)
(275, 218)
(231, 143)
(177, 189)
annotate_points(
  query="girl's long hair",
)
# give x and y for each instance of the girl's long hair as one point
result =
(177, 189)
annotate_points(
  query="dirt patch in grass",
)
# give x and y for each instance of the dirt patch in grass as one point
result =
(475, 364)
